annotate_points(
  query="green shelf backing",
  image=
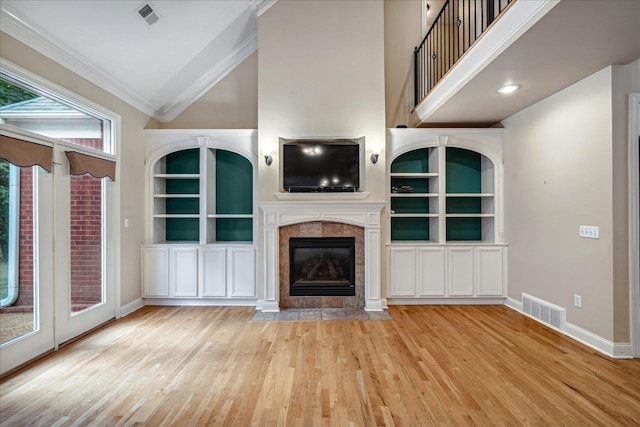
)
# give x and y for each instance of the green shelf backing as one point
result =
(463, 171)
(410, 205)
(183, 162)
(183, 206)
(234, 184)
(182, 229)
(416, 161)
(464, 205)
(183, 186)
(420, 185)
(467, 229)
(234, 229)
(409, 228)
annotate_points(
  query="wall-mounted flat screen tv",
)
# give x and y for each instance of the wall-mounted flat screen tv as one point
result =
(321, 166)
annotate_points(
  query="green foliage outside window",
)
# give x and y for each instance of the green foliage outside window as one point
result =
(11, 94)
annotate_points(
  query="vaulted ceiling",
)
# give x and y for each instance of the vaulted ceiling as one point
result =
(163, 68)
(160, 68)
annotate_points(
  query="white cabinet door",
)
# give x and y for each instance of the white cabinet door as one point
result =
(214, 272)
(431, 273)
(490, 271)
(460, 271)
(184, 272)
(241, 272)
(402, 272)
(155, 271)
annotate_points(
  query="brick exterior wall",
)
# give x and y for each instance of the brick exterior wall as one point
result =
(25, 242)
(86, 241)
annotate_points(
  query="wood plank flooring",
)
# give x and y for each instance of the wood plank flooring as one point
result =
(429, 366)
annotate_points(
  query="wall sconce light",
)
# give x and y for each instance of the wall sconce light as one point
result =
(267, 157)
(375, 153)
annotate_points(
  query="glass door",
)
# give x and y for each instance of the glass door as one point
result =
(26, 264)
(84, 273)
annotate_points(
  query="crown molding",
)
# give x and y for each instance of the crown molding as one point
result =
(261, 6)
(50, 47)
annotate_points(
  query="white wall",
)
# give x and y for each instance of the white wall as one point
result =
(131, 147)
(559, 175)
(321, 74)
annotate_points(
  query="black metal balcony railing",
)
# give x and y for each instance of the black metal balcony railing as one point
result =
(456, 28)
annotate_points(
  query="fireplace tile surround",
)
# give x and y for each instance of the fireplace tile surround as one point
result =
(310, 218)
(320, 229)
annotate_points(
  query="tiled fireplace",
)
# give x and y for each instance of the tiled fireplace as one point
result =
(283, 220)
(320, 229)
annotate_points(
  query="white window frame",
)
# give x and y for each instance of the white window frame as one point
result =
(14, 73)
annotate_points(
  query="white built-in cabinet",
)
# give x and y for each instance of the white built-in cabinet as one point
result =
(201, 226)
(445, 226)
(186, 271)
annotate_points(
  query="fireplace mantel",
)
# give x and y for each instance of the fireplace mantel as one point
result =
(360, 213)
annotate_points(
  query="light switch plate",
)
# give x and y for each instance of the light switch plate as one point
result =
(590, 231)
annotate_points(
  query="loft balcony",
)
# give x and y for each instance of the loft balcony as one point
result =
(455, 30)
(474, 47)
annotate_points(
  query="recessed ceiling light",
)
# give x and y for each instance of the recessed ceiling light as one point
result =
(506, 89)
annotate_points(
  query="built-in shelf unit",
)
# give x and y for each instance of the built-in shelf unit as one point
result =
(200, 241)
(445, 215)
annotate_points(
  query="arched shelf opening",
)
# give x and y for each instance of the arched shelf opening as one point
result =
(441, 194)
(202, 195)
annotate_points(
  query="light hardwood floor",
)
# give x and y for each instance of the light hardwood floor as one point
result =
(430, 365)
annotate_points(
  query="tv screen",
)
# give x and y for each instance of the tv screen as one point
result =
(320, 166)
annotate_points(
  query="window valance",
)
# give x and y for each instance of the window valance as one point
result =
(80, 164)
(23, 153)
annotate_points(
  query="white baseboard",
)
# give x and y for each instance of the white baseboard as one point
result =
(268, 306)
(514, 304)
(375, 305)
(596, 342)
(445, 301)
(131, 307)
(208, 302)
(615, 350)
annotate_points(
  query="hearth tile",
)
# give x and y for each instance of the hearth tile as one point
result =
(333, 314)
(310, 314)
(287, 315)
(314, 314)
(264, 316)
(379, 315)
(353, 314)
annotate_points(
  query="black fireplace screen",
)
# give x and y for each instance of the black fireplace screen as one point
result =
(322, 266)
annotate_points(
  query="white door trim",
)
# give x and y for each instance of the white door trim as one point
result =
(634, 222)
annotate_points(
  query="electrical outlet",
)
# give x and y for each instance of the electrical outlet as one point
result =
(577, 301)
(590, 231)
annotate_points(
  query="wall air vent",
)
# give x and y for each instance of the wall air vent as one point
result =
(543, 311)
(147, 13)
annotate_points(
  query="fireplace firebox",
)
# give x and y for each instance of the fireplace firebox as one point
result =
(322, 266)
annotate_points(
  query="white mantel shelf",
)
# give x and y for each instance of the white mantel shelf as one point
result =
(358, 195)
(364, 214)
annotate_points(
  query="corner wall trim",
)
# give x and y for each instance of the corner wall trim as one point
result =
(131, 307)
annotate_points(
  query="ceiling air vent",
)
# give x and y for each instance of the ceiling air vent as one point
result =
(148, 14)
